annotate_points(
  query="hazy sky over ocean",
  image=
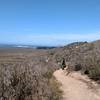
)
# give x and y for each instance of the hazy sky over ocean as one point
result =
(49, 22)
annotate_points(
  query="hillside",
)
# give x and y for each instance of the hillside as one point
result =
(27, 74)
(80, 56)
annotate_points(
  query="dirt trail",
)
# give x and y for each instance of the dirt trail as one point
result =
(75, 86)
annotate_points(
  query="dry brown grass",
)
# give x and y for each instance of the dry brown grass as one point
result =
(57, 93)
(25, 75)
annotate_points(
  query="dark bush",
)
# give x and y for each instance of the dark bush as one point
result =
(86, 72)
(78, 67)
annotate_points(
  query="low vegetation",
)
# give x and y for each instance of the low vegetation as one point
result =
(81, 56)
(30, 79)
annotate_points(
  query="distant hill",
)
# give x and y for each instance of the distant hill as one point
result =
(25, 46)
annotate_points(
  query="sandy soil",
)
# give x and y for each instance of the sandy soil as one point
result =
(76, 86)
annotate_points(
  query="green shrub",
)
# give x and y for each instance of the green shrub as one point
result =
(93, 67)
(95, 73)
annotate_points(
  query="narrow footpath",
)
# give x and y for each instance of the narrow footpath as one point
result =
(75, 86)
